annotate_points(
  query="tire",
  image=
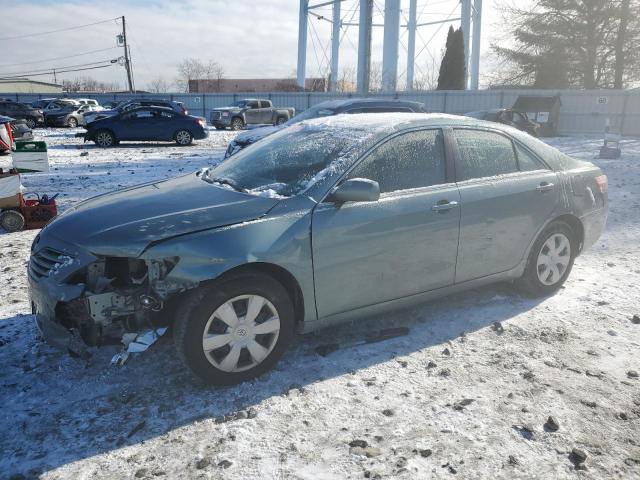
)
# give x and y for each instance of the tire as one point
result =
(237, 124)
(201, 314)
(540, 278)
(280, 120)
(72, 123)
(183, 137)
(12, 221)
(31, 123)
(104, 139)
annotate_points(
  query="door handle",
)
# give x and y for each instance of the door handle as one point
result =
(544, 187)
(444, 206)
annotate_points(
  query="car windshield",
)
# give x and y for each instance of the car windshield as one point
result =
(292, 160)
(239, 103)
(313, 112)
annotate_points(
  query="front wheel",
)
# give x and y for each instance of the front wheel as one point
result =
(237, 124)
(72, 122)
(235, 329)
(31, 123)
(104, 139)
(280, 120)
(550, 260)
(183, 137)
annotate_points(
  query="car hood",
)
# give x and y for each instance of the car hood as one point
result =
(255, 134)
(126, 222)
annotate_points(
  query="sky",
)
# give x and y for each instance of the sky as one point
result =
(249, 38)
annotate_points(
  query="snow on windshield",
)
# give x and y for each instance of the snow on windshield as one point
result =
(291, 161)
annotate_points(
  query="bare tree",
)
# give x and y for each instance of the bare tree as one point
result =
(158, 85)
(89, 84)
(347, 80)
(375, 77)
(196, 69)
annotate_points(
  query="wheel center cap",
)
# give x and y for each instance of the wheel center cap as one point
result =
(241, 332)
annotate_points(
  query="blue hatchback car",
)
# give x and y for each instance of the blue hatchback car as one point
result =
(147, 124)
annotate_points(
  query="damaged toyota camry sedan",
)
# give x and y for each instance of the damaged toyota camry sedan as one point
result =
(323, 222)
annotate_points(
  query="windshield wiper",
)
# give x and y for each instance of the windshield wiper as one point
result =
(227, 181)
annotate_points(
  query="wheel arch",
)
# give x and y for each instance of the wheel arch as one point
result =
(576, 226)
(278, 273)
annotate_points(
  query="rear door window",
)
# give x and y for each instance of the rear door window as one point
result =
(412, 160)
(265, 104)
(483, 154)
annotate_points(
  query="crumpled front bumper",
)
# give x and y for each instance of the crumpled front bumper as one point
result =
(47, 291)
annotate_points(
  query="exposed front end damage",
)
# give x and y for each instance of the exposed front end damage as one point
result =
(84, 300)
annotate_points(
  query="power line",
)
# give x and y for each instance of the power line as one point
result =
(50, 69)
(51, 72)
(57, 58)
(59, 30)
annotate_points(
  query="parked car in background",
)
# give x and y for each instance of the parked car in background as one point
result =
(42, 103)
(287, 236)
(509, 117)
(250, 111)
(112, 104)
(178, 107)
(326, 109)
(69, 115)
(20, 111)
(88, 101)
(21, 130)
(146, 123)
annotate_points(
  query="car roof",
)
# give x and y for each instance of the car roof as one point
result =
(152, 107)
(349, 102)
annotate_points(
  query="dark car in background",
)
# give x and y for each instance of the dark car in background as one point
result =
(506, 116)
(326, 109)
(178, 107)
(250, 111)
(20, 111)
(146, 124)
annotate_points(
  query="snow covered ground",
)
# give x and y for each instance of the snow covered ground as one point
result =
(466, 394)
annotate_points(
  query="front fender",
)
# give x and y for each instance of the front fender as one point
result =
(279, 239)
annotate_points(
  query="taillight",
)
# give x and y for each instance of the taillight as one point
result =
(602, 183)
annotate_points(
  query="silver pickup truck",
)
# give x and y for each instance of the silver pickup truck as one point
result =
(250, 111)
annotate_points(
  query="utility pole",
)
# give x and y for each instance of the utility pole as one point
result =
(55, 80)
(411, 48)
(126, 56)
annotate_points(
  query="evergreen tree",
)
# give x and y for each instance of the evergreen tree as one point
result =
(580, 38)
(453, 71)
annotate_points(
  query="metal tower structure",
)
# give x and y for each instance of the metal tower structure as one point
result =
(470, 19)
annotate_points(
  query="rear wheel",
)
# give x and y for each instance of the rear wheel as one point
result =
(72, 122)
(280, 120)
(31, 123)
(183, 137)
(235, 329)
(12, 221)
(550, 260)
(104, 139)
(237, 124)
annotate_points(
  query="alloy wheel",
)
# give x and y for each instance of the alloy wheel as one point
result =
(241, 333)
(553, 259)
(104, 139)
(183, 137)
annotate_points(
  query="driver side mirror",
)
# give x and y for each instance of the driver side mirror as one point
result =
(356, 190)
